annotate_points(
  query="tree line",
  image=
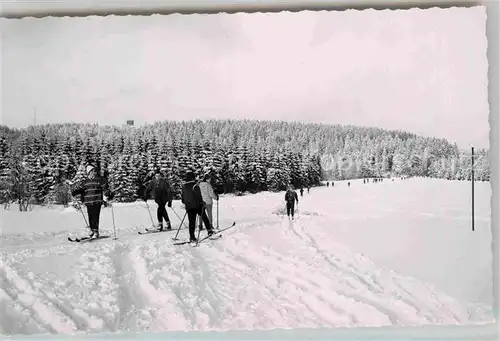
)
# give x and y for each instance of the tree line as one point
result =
(239, 156)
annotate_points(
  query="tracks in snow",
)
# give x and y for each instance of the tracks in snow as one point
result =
(387, 292)
(147, 284)
(36, 306)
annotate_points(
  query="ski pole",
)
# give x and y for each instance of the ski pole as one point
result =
(217, 213)
(113, 216)
(182, 221)
(200, 223)
(83, 215)
(199, 227)
(150, 216)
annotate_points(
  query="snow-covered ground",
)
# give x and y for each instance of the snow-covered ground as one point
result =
(392, 253)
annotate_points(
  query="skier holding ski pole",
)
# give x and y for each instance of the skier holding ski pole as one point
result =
(290, 198)
(91, 191)
(193, 202)
(162, 194)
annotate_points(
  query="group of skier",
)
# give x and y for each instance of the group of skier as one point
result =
(197, 199)
(196, 204)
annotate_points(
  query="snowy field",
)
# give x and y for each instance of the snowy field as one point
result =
(392, 253)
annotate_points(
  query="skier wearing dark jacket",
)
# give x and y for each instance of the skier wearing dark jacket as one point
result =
(193, 202)
(290, 198)
(162, 195)
(92, 192)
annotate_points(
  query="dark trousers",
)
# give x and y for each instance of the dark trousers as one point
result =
(192, 215)
(290, 208)
(206, 219)
(161, 212)
(94, 212)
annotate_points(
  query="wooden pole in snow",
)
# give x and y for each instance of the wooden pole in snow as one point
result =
(472, 188)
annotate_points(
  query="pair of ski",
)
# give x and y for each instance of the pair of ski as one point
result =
(86, 239)
(154, 230)
(89, 239)
(216, 235)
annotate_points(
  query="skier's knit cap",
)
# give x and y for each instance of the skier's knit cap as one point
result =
(190, 176)
(89, 169)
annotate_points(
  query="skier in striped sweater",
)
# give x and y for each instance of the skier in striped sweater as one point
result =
(208, 195)
(91, 190)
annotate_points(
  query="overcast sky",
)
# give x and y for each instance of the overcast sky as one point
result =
(423, 71)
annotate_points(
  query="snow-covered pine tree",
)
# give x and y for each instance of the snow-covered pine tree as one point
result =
(279, 178)
(62, 161)
(133, 179)
(5, 171)
(120, 180)
(219, 167)
(293, 162)
(256, 173)
(184, 158)
(482, 170)
(276, 179)
(174, 178)
(315, 169)
(21, 181)
(77, 146)
(398, 163)
(196, 159)
(385, 167)
(51, 174)
(264, 165)
(208, 157)
(239, 168)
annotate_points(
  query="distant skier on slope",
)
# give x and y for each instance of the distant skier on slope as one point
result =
(301, 192)
(92, 195)
(193, 202)
(290, 198)
(162, 195)
(208, 195)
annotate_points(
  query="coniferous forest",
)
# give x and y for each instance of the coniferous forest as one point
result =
(38, 163)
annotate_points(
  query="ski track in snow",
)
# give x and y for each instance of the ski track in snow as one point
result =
(267, 272)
